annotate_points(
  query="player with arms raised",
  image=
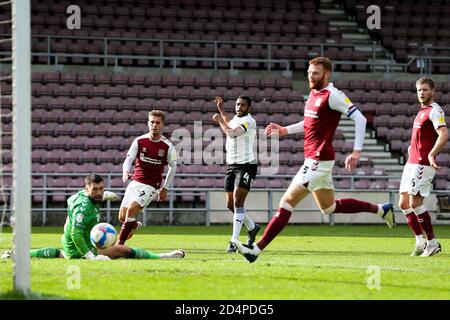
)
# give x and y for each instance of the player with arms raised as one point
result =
(241, 164)
(323, 111)
(428, 138)
(150, 153)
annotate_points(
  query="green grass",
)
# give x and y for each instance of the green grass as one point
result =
(304, 262)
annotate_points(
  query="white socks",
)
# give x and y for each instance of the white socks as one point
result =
(420, 240)
(380, 210)
(249, 223)
(238, 219)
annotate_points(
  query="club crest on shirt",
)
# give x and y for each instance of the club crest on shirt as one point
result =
(144, 149)
(79, 218)
(422, 115)
(318, 102)
(161, 152)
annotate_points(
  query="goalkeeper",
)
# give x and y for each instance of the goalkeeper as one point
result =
(84, 213)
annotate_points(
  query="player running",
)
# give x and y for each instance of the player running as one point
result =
(150, 153)
(428, 138)
(323, 111)
(83, 212)
(241, 164)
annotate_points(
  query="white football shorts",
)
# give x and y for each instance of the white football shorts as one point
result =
(315, 175)
(143, 194)
(417, 178)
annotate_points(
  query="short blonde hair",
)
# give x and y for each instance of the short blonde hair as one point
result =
(324, 61)
(157, 113)
(426, 80)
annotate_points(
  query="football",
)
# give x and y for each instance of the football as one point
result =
(103, 235)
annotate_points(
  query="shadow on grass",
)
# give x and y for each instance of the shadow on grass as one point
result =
(14, 295)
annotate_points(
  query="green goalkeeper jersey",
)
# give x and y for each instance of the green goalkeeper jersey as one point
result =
(82, 214)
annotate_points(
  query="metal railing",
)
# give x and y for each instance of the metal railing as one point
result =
(45, 192)
(424, 60)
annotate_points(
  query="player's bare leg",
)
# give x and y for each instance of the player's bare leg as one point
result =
(416, 203)
(325, 198)
(123, 214)
(121, 251)
(230, 201)
(291, 198)
(130, 224)
(413, 223)
(327, 203)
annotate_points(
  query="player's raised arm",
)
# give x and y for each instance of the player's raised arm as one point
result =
(232, 133)
(131, 156)
(219, 104)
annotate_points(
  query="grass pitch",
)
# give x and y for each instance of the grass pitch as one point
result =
(303, 262)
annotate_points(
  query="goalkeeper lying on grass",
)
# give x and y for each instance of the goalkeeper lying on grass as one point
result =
(83, 213)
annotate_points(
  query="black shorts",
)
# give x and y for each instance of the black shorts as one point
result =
(240, 175)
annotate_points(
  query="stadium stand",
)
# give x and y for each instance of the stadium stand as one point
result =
(89, 85)
(291, 30)
(408, 32)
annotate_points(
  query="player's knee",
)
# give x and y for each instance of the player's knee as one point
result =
(134, 209)
(287, 198)
(330, 209)
(404, 205)
(415, 203)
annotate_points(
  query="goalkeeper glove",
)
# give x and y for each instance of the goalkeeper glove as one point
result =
(109, 195)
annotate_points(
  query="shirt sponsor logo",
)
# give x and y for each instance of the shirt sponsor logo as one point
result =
(149, 160)
(311, 113)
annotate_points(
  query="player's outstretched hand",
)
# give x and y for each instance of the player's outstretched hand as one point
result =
(274, 129)
(102, 257)
(111, 196)
(352, 160)
(125, 176)
(433, 163)
(219, 102)
(162, 195)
